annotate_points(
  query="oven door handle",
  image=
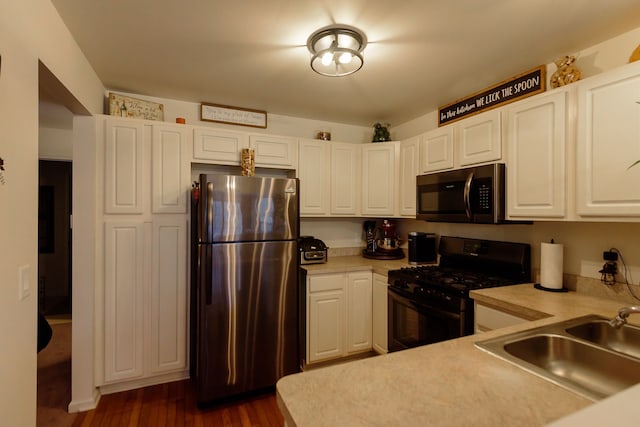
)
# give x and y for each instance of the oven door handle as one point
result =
(431, 310)
(422, 308)
(467, 194)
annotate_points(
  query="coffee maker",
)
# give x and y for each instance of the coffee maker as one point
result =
(381, 242)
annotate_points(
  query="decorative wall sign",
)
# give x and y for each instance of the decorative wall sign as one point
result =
(233, 115)
(125, 106)
(521, 86)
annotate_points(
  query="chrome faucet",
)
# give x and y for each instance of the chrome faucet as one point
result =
(623, 313)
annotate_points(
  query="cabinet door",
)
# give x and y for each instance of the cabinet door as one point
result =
(409, 160)
(359, 294)
(536, 157)
(314, 175)
(479, 138)
(345, 179)
(379, 314)
(379, 178)
(123, 159)
(275, 151)
(170, 169)
(325, 317)
(218, 145)
(168, 341)
(608, 143)
(436, 150)
(123, 301)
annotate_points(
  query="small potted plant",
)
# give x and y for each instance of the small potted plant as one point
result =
(381, 133)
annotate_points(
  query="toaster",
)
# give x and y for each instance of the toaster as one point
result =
(312, 250)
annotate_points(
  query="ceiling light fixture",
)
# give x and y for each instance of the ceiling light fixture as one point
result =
(337, 50)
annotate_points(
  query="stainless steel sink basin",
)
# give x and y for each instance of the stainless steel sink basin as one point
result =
(579, 354)
(625, 339)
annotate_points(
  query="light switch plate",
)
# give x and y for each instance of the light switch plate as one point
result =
(24, 282)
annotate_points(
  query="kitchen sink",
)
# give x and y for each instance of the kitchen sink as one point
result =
(625, 339)
(584, 355)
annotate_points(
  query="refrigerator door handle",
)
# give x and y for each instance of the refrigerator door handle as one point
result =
(209, 212)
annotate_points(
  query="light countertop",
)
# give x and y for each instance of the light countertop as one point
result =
(444, 384)
(346, 264)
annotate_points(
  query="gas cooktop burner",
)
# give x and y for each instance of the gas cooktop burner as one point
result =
(445, 277)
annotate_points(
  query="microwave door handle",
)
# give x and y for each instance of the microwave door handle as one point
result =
(467, 195)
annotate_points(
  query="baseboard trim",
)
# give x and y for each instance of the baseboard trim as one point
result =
(85, 405)
(143, 382)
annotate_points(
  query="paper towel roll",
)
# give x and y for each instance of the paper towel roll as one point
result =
(551, 259)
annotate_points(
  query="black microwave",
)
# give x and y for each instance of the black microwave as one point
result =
(475, 194)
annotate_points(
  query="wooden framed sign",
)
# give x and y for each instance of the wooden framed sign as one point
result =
(233, 115)
(521, 86)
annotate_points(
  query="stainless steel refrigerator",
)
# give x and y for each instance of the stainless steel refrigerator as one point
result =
(246, 296)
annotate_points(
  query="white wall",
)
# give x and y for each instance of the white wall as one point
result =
(30, 30)
(276, 124)
(594, 60)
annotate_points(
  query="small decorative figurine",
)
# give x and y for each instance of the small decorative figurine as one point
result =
(635, 55)
(380, 133)
(566, 72)
(247, 162)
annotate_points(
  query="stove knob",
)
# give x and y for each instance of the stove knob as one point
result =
(401, 284)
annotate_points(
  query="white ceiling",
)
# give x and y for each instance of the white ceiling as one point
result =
(421, 54)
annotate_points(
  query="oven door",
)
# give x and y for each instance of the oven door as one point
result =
(412, 324)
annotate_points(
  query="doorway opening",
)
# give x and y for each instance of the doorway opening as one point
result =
(54, 240)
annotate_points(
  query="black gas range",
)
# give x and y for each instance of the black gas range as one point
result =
(429, 304)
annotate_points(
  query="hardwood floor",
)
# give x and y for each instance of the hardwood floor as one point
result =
(174, 404)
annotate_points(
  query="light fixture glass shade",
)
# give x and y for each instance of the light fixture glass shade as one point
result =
(336, 50)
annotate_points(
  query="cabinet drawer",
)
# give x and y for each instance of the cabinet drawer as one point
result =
(325, 282)
(488, 319)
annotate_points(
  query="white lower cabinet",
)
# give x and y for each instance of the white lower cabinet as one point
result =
(489, 318)
(338, 315)
(359, 308)
(380, 313)
(325, 317)
(145, 300)
(168, 302)
(123, 301)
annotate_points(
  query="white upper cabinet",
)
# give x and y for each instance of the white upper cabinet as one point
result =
(409, 168)
(314, 173)
(608, 143)
(479, 138)
(218, 145)
(123, 162)
(170, 168)
(536, 174)
(274, 151)
(329, 174)
(345, 179)
(436, 149)
(379, 178)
